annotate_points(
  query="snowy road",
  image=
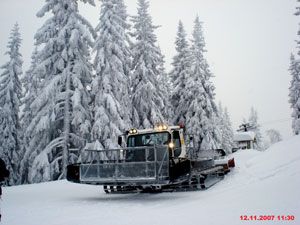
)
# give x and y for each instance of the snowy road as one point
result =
(263, 183)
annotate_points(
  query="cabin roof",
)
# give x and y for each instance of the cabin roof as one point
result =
(244, 136)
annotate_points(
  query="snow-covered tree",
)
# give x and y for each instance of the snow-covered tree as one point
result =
(225, 126)
(111, 88)
(147, 97)
(10, 95)
(60, 113)
(294, 90)
(165, 87)
(30, 83)
(274, 136)
(297, 13)
(198, 97)
(295, 94)
(179, 74)
(253, 121)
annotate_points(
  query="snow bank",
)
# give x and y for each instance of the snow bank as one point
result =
(263, 183)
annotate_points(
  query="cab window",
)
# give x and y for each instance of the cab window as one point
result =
(177, 143)
(151, 139)
(176, 139)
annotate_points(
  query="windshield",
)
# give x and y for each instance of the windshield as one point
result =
(161, 138)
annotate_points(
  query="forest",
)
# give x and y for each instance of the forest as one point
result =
(88, 85)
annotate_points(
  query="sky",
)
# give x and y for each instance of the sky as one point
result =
(248, 45)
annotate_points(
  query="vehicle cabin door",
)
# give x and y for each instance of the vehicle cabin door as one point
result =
(177, 143)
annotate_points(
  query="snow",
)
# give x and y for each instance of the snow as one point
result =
(244, 136)
(263, 183)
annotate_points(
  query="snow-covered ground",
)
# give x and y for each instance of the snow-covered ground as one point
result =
(263, 183)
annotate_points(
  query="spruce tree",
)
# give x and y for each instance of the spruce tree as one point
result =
(225, 127)
(111, 87)
(179, 75)
(198, 96)
(294, 89)
(297, 13)
(30, 81)
(229, 142)
(294, 94)
(165, 87)
(147, 96)
(10, 95)
(253, 120)
(60, 114)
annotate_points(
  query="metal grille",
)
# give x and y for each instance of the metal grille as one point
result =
(137, 165)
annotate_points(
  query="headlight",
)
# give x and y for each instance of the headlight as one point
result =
(171, 145)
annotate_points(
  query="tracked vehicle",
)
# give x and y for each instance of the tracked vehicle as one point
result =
(152, 160)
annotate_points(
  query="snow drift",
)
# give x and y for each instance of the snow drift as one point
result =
(263, 183)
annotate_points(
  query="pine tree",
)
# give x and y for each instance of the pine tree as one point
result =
(10, 95)
(61, 114)
(147, 97)
(111, 88)
(294, 94)
(179, 75)
(253, 120)
(198, 97)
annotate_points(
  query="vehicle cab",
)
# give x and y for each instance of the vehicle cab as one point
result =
(172, 136)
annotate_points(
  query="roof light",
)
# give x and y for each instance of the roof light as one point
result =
(132, 131)
(181, 125)
(162, 127)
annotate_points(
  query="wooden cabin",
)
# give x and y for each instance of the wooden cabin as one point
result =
(245, 140)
